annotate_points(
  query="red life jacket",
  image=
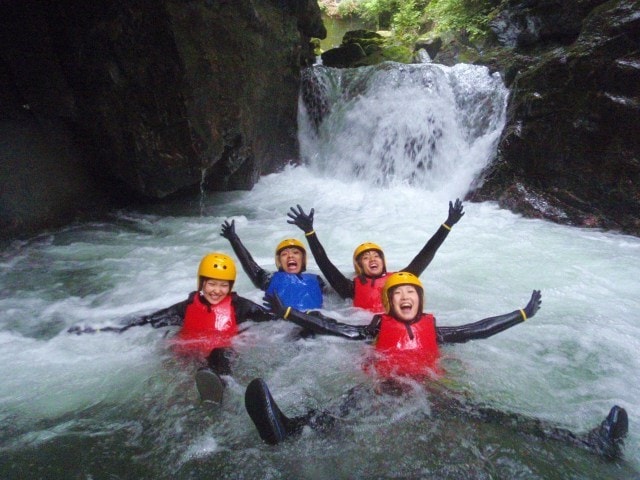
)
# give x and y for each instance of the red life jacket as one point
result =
(406, 349)
(369, 294)
(206, 327)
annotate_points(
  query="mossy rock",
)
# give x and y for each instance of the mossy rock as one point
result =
(364, 38)
(360, 35)
(344, 56)
(315, 46)
(392, 53)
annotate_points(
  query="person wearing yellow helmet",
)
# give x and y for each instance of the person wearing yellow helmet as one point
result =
(295, 287)
(403, 328)
(406, 345)
(369, 261)
(208, 321)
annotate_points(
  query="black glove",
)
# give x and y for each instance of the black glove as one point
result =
(455, 213)
(78, 330)
(228, 230)
(272, 302)
(301, 219)
(534, 304)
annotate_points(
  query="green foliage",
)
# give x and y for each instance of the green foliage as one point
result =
(372, 9)
(347, 8)
(466, 16)
(407, 21)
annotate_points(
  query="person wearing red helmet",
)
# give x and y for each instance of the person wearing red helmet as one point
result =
(406, 345)
(369, 261)
(208, 321)
(295, 287)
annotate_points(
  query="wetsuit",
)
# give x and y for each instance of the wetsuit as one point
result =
(355, 288)
(221, 354)
(302, 291)
(273, 426)
(458, 334)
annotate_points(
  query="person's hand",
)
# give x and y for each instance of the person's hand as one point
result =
(301, 219)
(79, 330)
(272, 302)
(534, 304)
(455, 213)
(228, 229)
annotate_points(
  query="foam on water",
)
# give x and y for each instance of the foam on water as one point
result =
(63, 394)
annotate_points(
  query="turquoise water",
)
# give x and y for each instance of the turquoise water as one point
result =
(120, 406)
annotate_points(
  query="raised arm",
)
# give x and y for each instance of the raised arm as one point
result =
(341, 284)
(489, 326)
(258, 275)
(425, 256)
(316, 323)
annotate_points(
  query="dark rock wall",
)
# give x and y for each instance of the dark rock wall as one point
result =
(571, 149)
(107, 102)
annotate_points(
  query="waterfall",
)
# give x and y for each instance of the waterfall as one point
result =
(385, 149)
(423, 125)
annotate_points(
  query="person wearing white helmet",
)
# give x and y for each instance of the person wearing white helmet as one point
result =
(294, 286)
(208, 321)
(369, 261)
(406, 346)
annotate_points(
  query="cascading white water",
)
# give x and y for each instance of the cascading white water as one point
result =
(425, 125)
(109, 405)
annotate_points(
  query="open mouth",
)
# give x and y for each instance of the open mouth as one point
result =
(406, 307)
(292, 265)
(374, 267)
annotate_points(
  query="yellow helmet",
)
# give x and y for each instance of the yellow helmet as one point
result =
(289, 243)
(365, 247)
(218, 266)
(401, 278)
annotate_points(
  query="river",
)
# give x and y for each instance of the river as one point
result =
(397, 145)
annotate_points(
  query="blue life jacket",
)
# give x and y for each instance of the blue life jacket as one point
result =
(300, 291)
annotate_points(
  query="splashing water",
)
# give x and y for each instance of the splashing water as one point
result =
(120, 406)
(426, 125)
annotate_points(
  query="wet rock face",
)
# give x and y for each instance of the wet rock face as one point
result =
(156, 94)
(526, 23)
(571, 150)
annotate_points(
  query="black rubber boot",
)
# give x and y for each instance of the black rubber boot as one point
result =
(608, 438)
(273, 425)
(210, 385)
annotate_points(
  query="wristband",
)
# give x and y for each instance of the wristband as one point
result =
(286, 313)
(308, 234)
(524, 315)
(446, 226)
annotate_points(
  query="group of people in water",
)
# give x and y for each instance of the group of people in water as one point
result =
(405, 340)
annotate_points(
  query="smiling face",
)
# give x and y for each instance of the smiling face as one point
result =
(291, 259)
(405, 302)
(215, 291)
(372, 263)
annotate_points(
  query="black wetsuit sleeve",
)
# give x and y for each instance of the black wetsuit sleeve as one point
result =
(324, 325)
(259, 276)
(248, 310)
(425, 256)
(173, 315)
(481, 329)
(341, 284)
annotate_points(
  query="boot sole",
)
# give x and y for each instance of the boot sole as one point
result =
(264, 412)
(210, 386)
